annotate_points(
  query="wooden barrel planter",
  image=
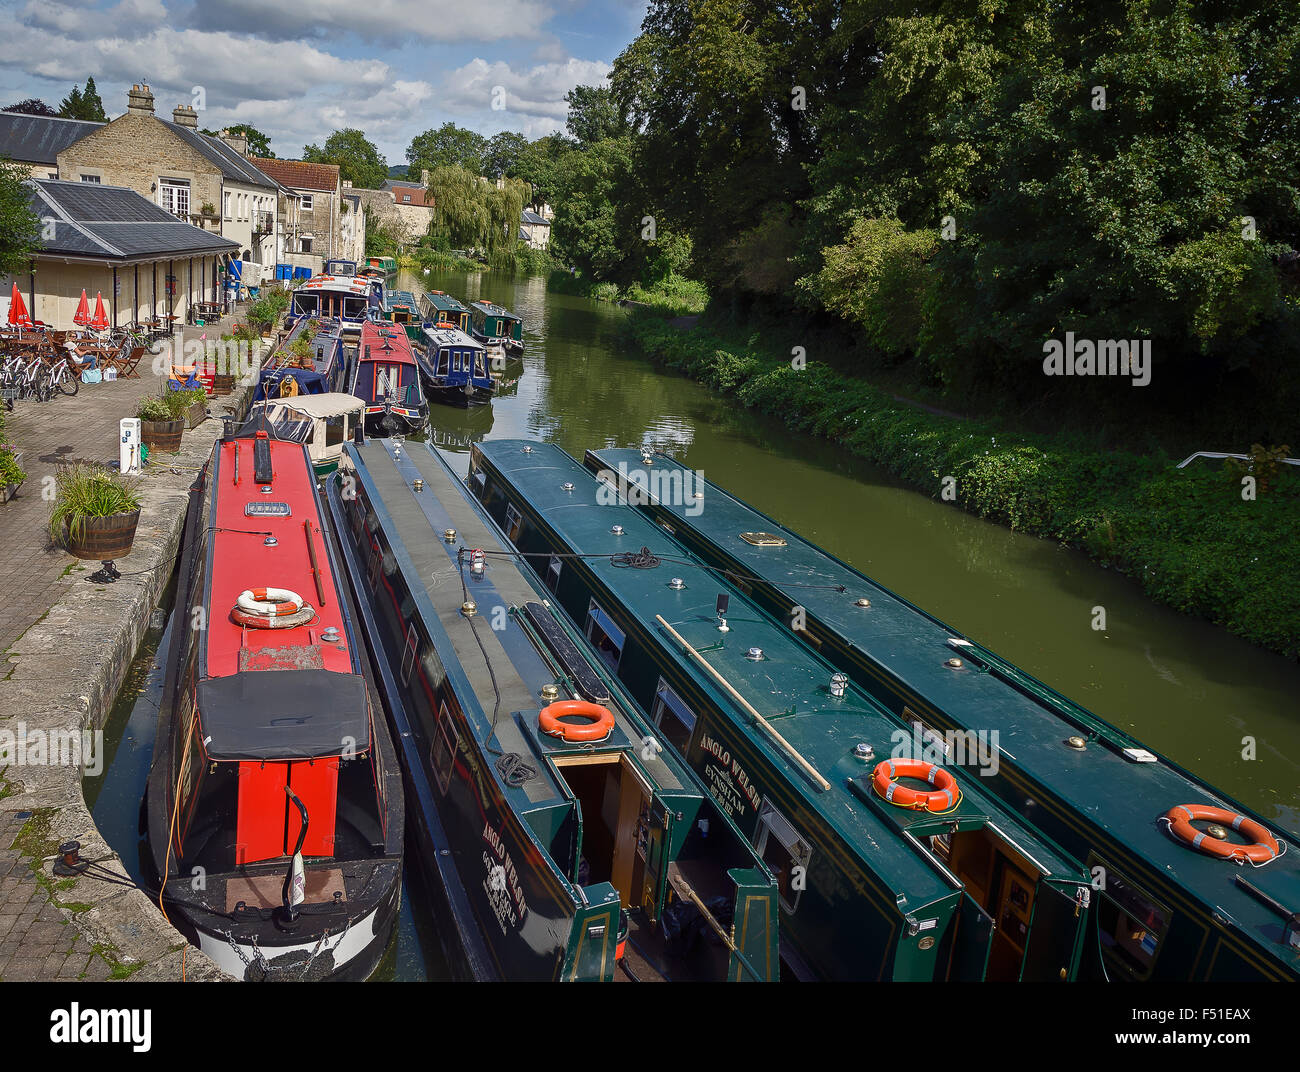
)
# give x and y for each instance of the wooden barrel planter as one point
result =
(198, 413)
(162, 435)
(223, 383)
(103, 539)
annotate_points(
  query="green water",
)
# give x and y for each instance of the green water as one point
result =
(1184, 687)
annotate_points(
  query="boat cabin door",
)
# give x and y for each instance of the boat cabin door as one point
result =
(971, 943)
(1056, 933)
(653, 839)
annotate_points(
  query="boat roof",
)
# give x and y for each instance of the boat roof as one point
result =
(349, 284)
(452, 337)
(399, 297)
(328, 404)
(787, 684)
(440, 300)
(384, 342)
(493, 309)
(317, 685)
(1122, 798)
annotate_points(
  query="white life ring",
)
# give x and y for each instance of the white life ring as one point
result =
(272, 608)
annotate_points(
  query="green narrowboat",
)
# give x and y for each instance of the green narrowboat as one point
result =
(553, 853)
(400, 308)
(497, 327)
(381, 268)
(1165, 909)
(439, 308)
(800, 758)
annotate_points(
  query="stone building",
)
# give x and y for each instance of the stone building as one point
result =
(196, 177)
(403, 209)
(311, 209)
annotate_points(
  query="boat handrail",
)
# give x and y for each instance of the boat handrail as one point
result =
(807, 767)
(679, 883)
(1220, 456)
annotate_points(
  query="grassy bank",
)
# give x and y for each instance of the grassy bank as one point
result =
(1186, 536)
(675, 295)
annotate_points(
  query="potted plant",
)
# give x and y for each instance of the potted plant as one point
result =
(95, 512)
(192, 405)
(11, 472)
(160, 428)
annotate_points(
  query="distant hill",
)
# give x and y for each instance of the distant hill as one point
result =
(397, 171)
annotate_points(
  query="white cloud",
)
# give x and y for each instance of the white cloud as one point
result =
(536, 93)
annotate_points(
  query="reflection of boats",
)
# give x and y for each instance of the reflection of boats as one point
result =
(387, 379)
(273, 777)
(399, 308)
(454, 368)
(507, 377)
(926, 881)
(498, 329)
(456, 430)
(347, 298)
(439, 308)
(311, 360)
(322, 423)
(543, 852)
(1166, 910)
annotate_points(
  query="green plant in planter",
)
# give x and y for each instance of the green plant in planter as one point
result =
(179, 402)
(154, 408)
(85, 491)
(10, 472)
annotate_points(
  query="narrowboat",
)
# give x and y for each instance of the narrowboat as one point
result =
(437, 309)
(386, 377)
(454, 368)
(564, 840)
(383, 269)
(339, 266)
(347, 298)
(310, 361)
(1174, 903)
(320, 422)
(273, 775)
(498, 329)
(891, 863)
(400, 308)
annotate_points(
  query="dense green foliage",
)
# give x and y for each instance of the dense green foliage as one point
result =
(259, 144)
(83, 104)
(359, 161)
(31, 106)
(19, 228)
(84, 491)
(470, 213)
(1188, 537)
(448, 146)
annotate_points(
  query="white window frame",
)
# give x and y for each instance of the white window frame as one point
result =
(772, 823)
(666, 699)
(305, 202)
(553, 568)
(446, 735)
(172, 202)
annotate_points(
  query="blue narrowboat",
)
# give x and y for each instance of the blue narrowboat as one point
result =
(310, 361)
(455, 368)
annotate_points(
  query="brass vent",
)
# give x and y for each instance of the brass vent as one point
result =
(763, 539)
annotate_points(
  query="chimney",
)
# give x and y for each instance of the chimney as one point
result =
(185, 116)
(238, 142)
(139, 101)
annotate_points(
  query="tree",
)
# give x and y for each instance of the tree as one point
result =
(502, 154)
(71, 105)
(599, 210)
(448, 146)
(594, 114)
(32, 106)
(19, 226)
(83, 104)
(536, 165)
(359, 160)
(259, 144)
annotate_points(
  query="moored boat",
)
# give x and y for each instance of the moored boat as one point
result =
(383, 269)
(498, 329)
(400, 308)
(386, 377)
(1173, 906)
(455, 368)
(310, 361)
(320, 422)
(562, 850)
(339, 266)
(438, 308)
(892, 864)
(273, 777)
(348, 299)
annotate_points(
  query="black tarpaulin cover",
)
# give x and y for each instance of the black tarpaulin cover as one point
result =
(283, 714)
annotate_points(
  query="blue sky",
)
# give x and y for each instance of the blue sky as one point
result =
(298, 70)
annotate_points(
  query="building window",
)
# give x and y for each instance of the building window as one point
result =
(226, 207)
(406, 198)
(306, 244)
(306, 202)
(90, 178)
(174, 196)
(785, 853)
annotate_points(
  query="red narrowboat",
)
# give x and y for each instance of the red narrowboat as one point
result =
(387, 378)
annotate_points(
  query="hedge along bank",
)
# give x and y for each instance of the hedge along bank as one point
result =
(1193, 538)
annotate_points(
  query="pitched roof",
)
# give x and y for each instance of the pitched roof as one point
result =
(113, 223)
(38, 139)
(232, 165)
(529, 216)
(299, 174)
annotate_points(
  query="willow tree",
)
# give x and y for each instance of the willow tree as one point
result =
(505, 204)
(460, 210)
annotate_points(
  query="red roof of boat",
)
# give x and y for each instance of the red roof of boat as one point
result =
(241, 559)
(386, 342)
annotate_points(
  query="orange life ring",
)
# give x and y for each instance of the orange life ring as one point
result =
(602, 721)
(1181, 816)
(944, 796)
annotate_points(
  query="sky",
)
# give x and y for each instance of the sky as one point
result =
(299, 70)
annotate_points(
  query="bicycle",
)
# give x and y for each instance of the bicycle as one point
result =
(64, 375)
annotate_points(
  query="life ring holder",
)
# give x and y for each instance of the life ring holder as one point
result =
(1264, 849)
(598, 729)
(943, 798)
(272, 608)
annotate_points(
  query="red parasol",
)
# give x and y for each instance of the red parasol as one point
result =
(18, 310)
(82, 316)
(100, 323)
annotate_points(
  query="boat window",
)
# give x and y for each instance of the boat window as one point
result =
(408, 657)
(335, 430)
(480, 479)
(445, 742)
(514, 522)
(478, 363)
(373, 570)
(672, 716)
(605, 636)
(1130, 925)
(785, 853)
(552, 572)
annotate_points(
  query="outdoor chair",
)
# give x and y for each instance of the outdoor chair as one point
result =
(126, 365)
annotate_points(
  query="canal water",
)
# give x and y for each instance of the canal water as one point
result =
(1180, 685)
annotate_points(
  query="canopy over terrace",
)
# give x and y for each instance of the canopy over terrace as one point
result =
(146, 262)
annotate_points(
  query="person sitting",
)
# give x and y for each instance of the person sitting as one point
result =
(88, 361)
